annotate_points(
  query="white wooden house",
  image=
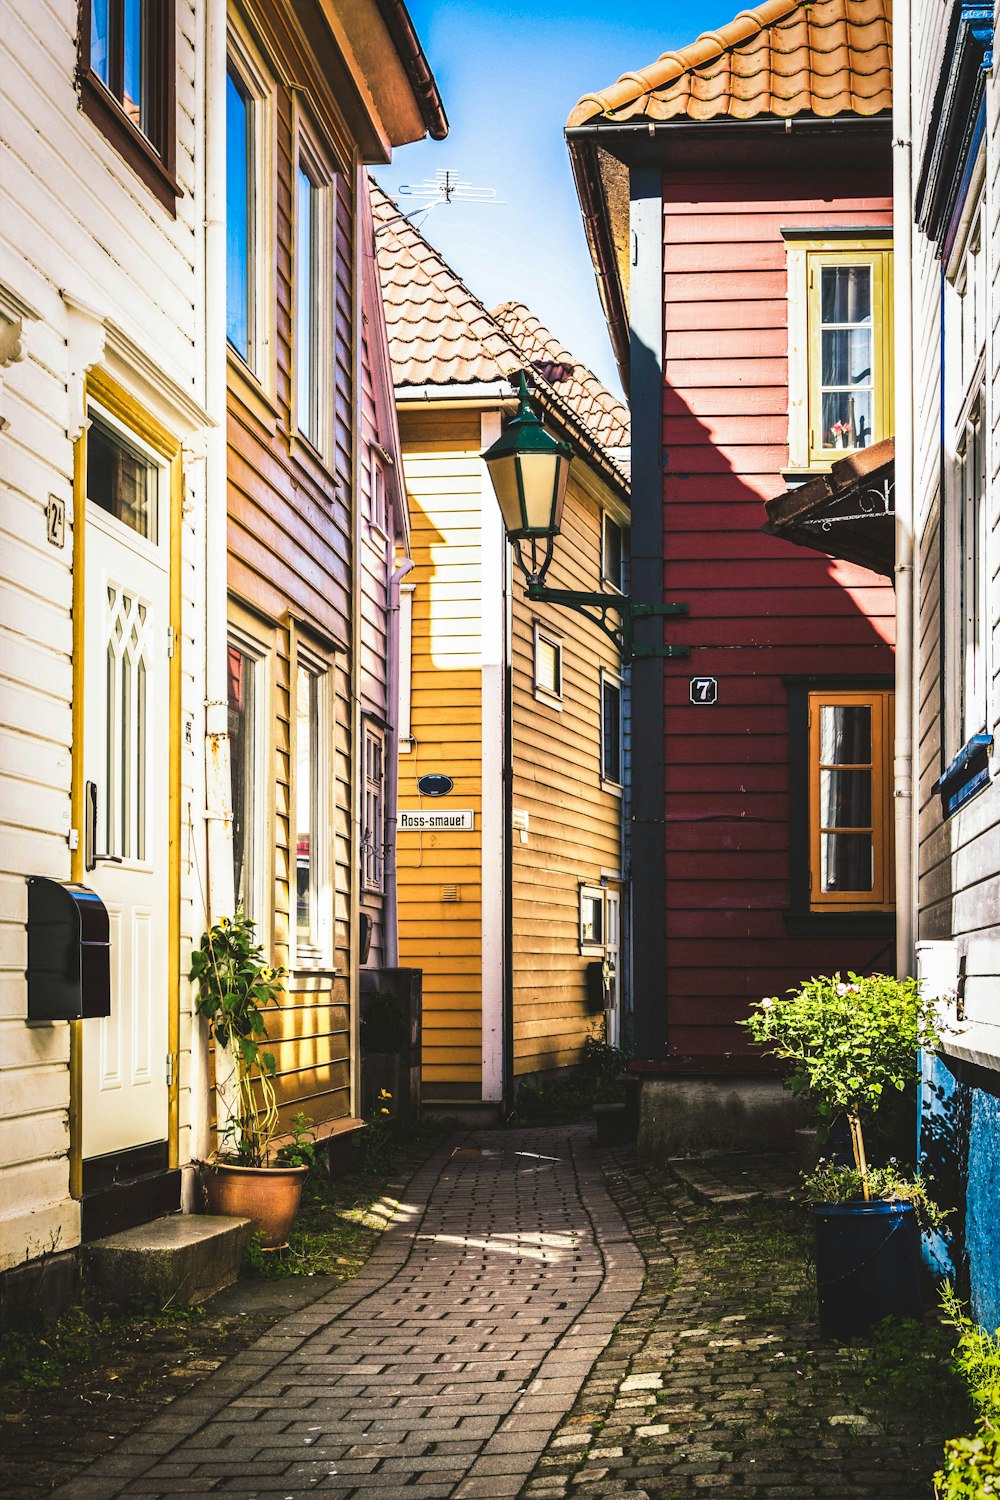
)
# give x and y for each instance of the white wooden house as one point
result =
(102, 575)
(948, 590)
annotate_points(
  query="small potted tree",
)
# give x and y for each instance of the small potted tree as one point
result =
(235, 987)
(854, 1044)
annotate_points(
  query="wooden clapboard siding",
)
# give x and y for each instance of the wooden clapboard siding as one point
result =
(290, 563)
(444, 939)
(75, 220)
(760, 610)
(574, 820)
(958, 858)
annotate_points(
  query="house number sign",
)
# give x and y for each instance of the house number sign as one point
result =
(704, 690)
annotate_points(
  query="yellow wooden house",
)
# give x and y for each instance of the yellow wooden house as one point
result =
(513, 715)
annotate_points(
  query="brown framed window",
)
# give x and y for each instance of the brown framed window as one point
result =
(850, 801)
(127, 85)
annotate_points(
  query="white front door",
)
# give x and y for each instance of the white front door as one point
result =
(612, 956)
(126, 813)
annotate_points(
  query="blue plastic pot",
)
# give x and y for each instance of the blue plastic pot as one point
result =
(867, 1265)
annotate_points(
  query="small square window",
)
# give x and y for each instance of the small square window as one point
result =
(591, 919)
(612, 552)
(548, 665)
(121, 479)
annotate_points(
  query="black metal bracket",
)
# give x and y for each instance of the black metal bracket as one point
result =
(597, 608)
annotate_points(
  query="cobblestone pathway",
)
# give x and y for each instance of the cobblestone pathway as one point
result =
(714, 1381)
(440, 1370)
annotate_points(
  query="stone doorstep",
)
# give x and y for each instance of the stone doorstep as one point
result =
(184, 1258)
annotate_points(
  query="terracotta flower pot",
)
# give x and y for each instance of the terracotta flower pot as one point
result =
(268, 1196)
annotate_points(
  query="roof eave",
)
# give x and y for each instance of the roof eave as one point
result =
(597, 227)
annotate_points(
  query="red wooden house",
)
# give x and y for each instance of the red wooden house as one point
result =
(737, 197)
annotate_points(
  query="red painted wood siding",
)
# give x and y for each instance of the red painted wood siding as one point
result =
(761, 609)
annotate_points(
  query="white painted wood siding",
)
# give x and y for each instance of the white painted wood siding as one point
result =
(75, 220)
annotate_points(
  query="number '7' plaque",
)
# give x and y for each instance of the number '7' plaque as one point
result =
(704, 690)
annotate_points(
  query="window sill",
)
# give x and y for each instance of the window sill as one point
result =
(969, 774)
(974, 1042)
(810, 923)
(613, 788)
(248, 388)
(132, 146)
(549, 699)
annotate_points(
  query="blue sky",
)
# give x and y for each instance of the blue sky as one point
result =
(509, 76)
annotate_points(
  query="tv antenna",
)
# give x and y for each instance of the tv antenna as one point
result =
(446, 187)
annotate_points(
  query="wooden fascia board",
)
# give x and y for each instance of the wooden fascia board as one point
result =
(378, 353)
(600, 240)
(375, 144)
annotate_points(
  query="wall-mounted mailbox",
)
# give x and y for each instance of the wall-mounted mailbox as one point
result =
(598, 985)
(69, 952)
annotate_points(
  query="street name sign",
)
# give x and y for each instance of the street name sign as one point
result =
(455, 820)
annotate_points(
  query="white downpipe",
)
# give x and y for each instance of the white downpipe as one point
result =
(391, 911)
(906, 697)
(218, 794)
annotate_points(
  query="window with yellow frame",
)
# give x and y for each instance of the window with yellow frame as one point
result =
(850, 801)
(840, 349)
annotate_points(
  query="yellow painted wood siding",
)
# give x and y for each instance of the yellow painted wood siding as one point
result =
(444, 939)
(574, 819)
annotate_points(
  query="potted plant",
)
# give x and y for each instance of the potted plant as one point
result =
(854, 1044)
(235, 986)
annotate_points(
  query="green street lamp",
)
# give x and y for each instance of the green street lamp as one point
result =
(529, 470)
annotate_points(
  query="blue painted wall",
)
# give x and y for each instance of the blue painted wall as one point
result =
(982, 1229)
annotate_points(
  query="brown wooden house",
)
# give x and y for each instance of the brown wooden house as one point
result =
(313, 93)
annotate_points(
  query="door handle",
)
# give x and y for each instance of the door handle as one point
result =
(91, 856)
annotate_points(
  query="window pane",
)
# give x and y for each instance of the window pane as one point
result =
(121, 480)
(239, 201)
(845, 799)
(845, 736)
(591, 926)
(136, 49)
(612, 552)
(847, 294)
(241, 737)
(612, 732)
(306, 290)
(847, 356)
(99, 61)
(847, 862)
(306, 794)
(548, 666)
(847, 419)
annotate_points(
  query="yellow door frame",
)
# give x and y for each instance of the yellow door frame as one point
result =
(123, 405)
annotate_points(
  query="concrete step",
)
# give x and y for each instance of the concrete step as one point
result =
(181, 1258)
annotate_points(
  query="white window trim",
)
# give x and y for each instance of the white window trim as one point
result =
(260, 651)
(246, 58)
(318, 955)
(551, 638)
(615, 787)
(310, 153)
(588, 893)
(617, 584)
(374, 885)
(968, 705)
(800, 457)
(378, 516)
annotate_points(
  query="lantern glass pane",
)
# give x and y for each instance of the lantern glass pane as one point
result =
(503, 474)
(538, 479)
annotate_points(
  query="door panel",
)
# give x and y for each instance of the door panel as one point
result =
(126, 766)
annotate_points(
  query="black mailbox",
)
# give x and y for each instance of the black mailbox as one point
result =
(69, 952)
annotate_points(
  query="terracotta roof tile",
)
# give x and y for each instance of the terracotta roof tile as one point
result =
(782, 58)
(440, 334)
(604, 414)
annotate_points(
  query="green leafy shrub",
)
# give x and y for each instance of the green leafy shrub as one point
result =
(830, 1182)
(971, 1468)
(235, 986)
(851, 1042)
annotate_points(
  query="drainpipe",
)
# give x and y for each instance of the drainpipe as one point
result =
(905, 580)
(218, 794)
(390, 915)
(219, 893)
